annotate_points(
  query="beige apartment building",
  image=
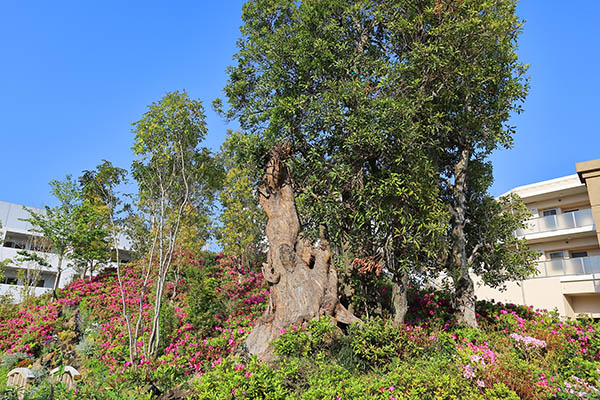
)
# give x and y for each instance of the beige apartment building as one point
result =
(565, 230)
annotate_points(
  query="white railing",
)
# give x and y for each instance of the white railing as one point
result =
(569, 266)
(574, 219)
(17, 291)
(13, 254)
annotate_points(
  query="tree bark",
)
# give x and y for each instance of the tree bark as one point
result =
(346, 287)
(303, 282)
(399, 297)
(57, 279)
(464, 296)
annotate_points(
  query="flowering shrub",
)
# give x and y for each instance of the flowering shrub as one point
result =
(475, 362)
(528, 342)
(577, 388)
(211, 306)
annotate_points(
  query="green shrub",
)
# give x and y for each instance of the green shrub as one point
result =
(375, 342)
(168, 324)
(296, 342)
(231, 379)
(87, 348)
(203, 300)
(500, 392)
(10, 360)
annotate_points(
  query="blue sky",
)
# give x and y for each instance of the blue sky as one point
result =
(76, 74)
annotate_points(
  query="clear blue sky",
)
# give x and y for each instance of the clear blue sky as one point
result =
(75, 74)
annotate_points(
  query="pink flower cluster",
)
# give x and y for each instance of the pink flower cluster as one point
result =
(579, 388)
(528, 342)
(476, 360)
(36, 324)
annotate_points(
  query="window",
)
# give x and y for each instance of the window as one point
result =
(547, 213)
(40, 283)
(572, 210)
(10, 281)
(15, 240)
(577, 254)
(555, 255)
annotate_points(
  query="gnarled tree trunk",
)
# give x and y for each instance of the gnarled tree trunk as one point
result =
(303, 281)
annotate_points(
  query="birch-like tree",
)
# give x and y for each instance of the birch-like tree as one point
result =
(172, 172)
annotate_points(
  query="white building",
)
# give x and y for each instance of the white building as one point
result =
(565, 230)
(15, 235)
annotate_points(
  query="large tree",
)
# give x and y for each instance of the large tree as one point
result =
(91, 238)
(388, 110)
(469, 81)
(100, 188)
(317, 79)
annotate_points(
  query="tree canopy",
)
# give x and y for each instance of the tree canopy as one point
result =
(389, 110)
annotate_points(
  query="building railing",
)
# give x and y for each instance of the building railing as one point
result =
(568, 220)
(13, 254)
(569, 266)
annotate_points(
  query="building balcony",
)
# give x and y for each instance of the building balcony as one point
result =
(569, 266)
(12, 253)
(16, 291)
(552, 223)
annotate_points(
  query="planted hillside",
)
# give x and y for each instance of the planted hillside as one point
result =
(216, 305)
(516, 353)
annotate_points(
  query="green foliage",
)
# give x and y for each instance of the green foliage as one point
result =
(168, 323)
(243, 221)
(320, 378)
(203, 302)
(9, 360)
(171, 167)
(56, 223)
(233, 379)
(167, 375)
(87, 348)
(296, 342)
(95, 234)
(91, 238)
(375, 342)
(496, 253)
(324, 79)
(175, 175)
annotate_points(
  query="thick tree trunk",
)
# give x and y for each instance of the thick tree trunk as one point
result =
(399, 297)
(303, 282)
(464, 289)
